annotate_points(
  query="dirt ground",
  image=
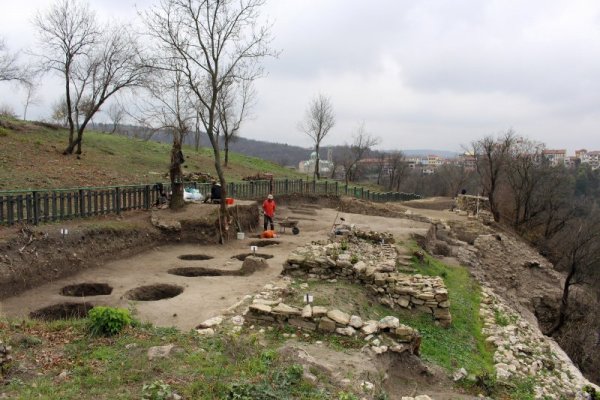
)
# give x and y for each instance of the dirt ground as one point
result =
(205, 296)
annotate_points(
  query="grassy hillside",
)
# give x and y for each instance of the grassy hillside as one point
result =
(31, 158)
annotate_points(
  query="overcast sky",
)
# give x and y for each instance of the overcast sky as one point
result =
(420, 74)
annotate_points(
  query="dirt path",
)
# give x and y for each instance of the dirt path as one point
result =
(204, 296)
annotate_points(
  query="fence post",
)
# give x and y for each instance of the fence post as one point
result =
(287, 186)
(9, 210)
(314, 189)
(337, 192)
(147, 196)
(36, 208)
(118, 200)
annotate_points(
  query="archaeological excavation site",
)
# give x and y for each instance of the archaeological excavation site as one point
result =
(378, 300)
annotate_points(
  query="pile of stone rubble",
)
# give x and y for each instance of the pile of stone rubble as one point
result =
(522, 351)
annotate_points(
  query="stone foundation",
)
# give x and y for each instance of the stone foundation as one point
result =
(393, 336)
(376, 267)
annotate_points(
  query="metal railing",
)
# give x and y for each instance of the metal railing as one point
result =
(39, 206)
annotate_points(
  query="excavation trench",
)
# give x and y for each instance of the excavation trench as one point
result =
(195, 257)
(154, 292)
(62, 311)
(87, 289)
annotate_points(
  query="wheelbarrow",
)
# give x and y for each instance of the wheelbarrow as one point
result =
(288, 223)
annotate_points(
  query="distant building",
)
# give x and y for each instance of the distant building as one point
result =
(308, 166)
(555, 157)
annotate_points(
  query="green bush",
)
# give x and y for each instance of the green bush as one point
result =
(157, 390)
(108, 321)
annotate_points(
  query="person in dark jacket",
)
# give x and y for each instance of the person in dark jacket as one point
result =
(215, 193)
(269, 211)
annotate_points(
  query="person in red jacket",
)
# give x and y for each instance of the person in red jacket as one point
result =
(269, 210)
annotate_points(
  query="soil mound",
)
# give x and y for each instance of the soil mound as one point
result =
(243, 256)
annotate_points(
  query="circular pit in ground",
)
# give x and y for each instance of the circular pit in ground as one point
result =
(62, 311)
(86, 289)
(243, 256)
(264, 243)
(195, 271)
(194, 257)
(154, 292)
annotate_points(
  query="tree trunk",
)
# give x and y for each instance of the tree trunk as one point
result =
(69, 149)
(175, 175)
(317, 177)
(226, 149)
(564, 303)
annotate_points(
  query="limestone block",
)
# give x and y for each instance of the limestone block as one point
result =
(347, 331)
(307, 311)
(389, 322)
(260, 308)
(326, 325)
(319, 311)
(403, 301)
(339, 317)
(356, 322)
(302, 323)
(370, 327)
(284, 309)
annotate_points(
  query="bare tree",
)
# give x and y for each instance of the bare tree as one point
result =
(95, 63)
(453, 177)
(524, 178)
(31, 95)
(234, 102)
(169, 108)
(214, 42)
(492, 156)
(381, 164)
(318, 121)
(361, 145)
(10, 70)
(116, 113)
(398, 169)
(577, 247)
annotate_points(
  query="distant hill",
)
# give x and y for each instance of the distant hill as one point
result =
(279, 153)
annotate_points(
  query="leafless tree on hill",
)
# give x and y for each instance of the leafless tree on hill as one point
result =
(31, 95)
(96, 62)
(398, 169)
(492, 156)
(116, 113)
(577, 248)
(169, 107)
(318, 120)
(234, 103)
(10, 70)
(353, 153)
(214, 42)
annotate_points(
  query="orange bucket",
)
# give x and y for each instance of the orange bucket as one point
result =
(229, 200)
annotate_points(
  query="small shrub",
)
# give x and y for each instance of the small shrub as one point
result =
(157, 390)
(344, 245)
(108, 321)
(354, 259)
(594, 395)
(501, 319)
(346, 396)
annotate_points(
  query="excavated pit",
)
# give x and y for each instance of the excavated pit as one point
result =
(154, 292)
(264, 243)
(243, 256)
(194, 257)
(192, 272)
(62, 311)
(87, 289)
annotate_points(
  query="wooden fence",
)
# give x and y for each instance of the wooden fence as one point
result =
(36, 206)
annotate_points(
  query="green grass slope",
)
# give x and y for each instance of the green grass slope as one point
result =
(31, 158)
